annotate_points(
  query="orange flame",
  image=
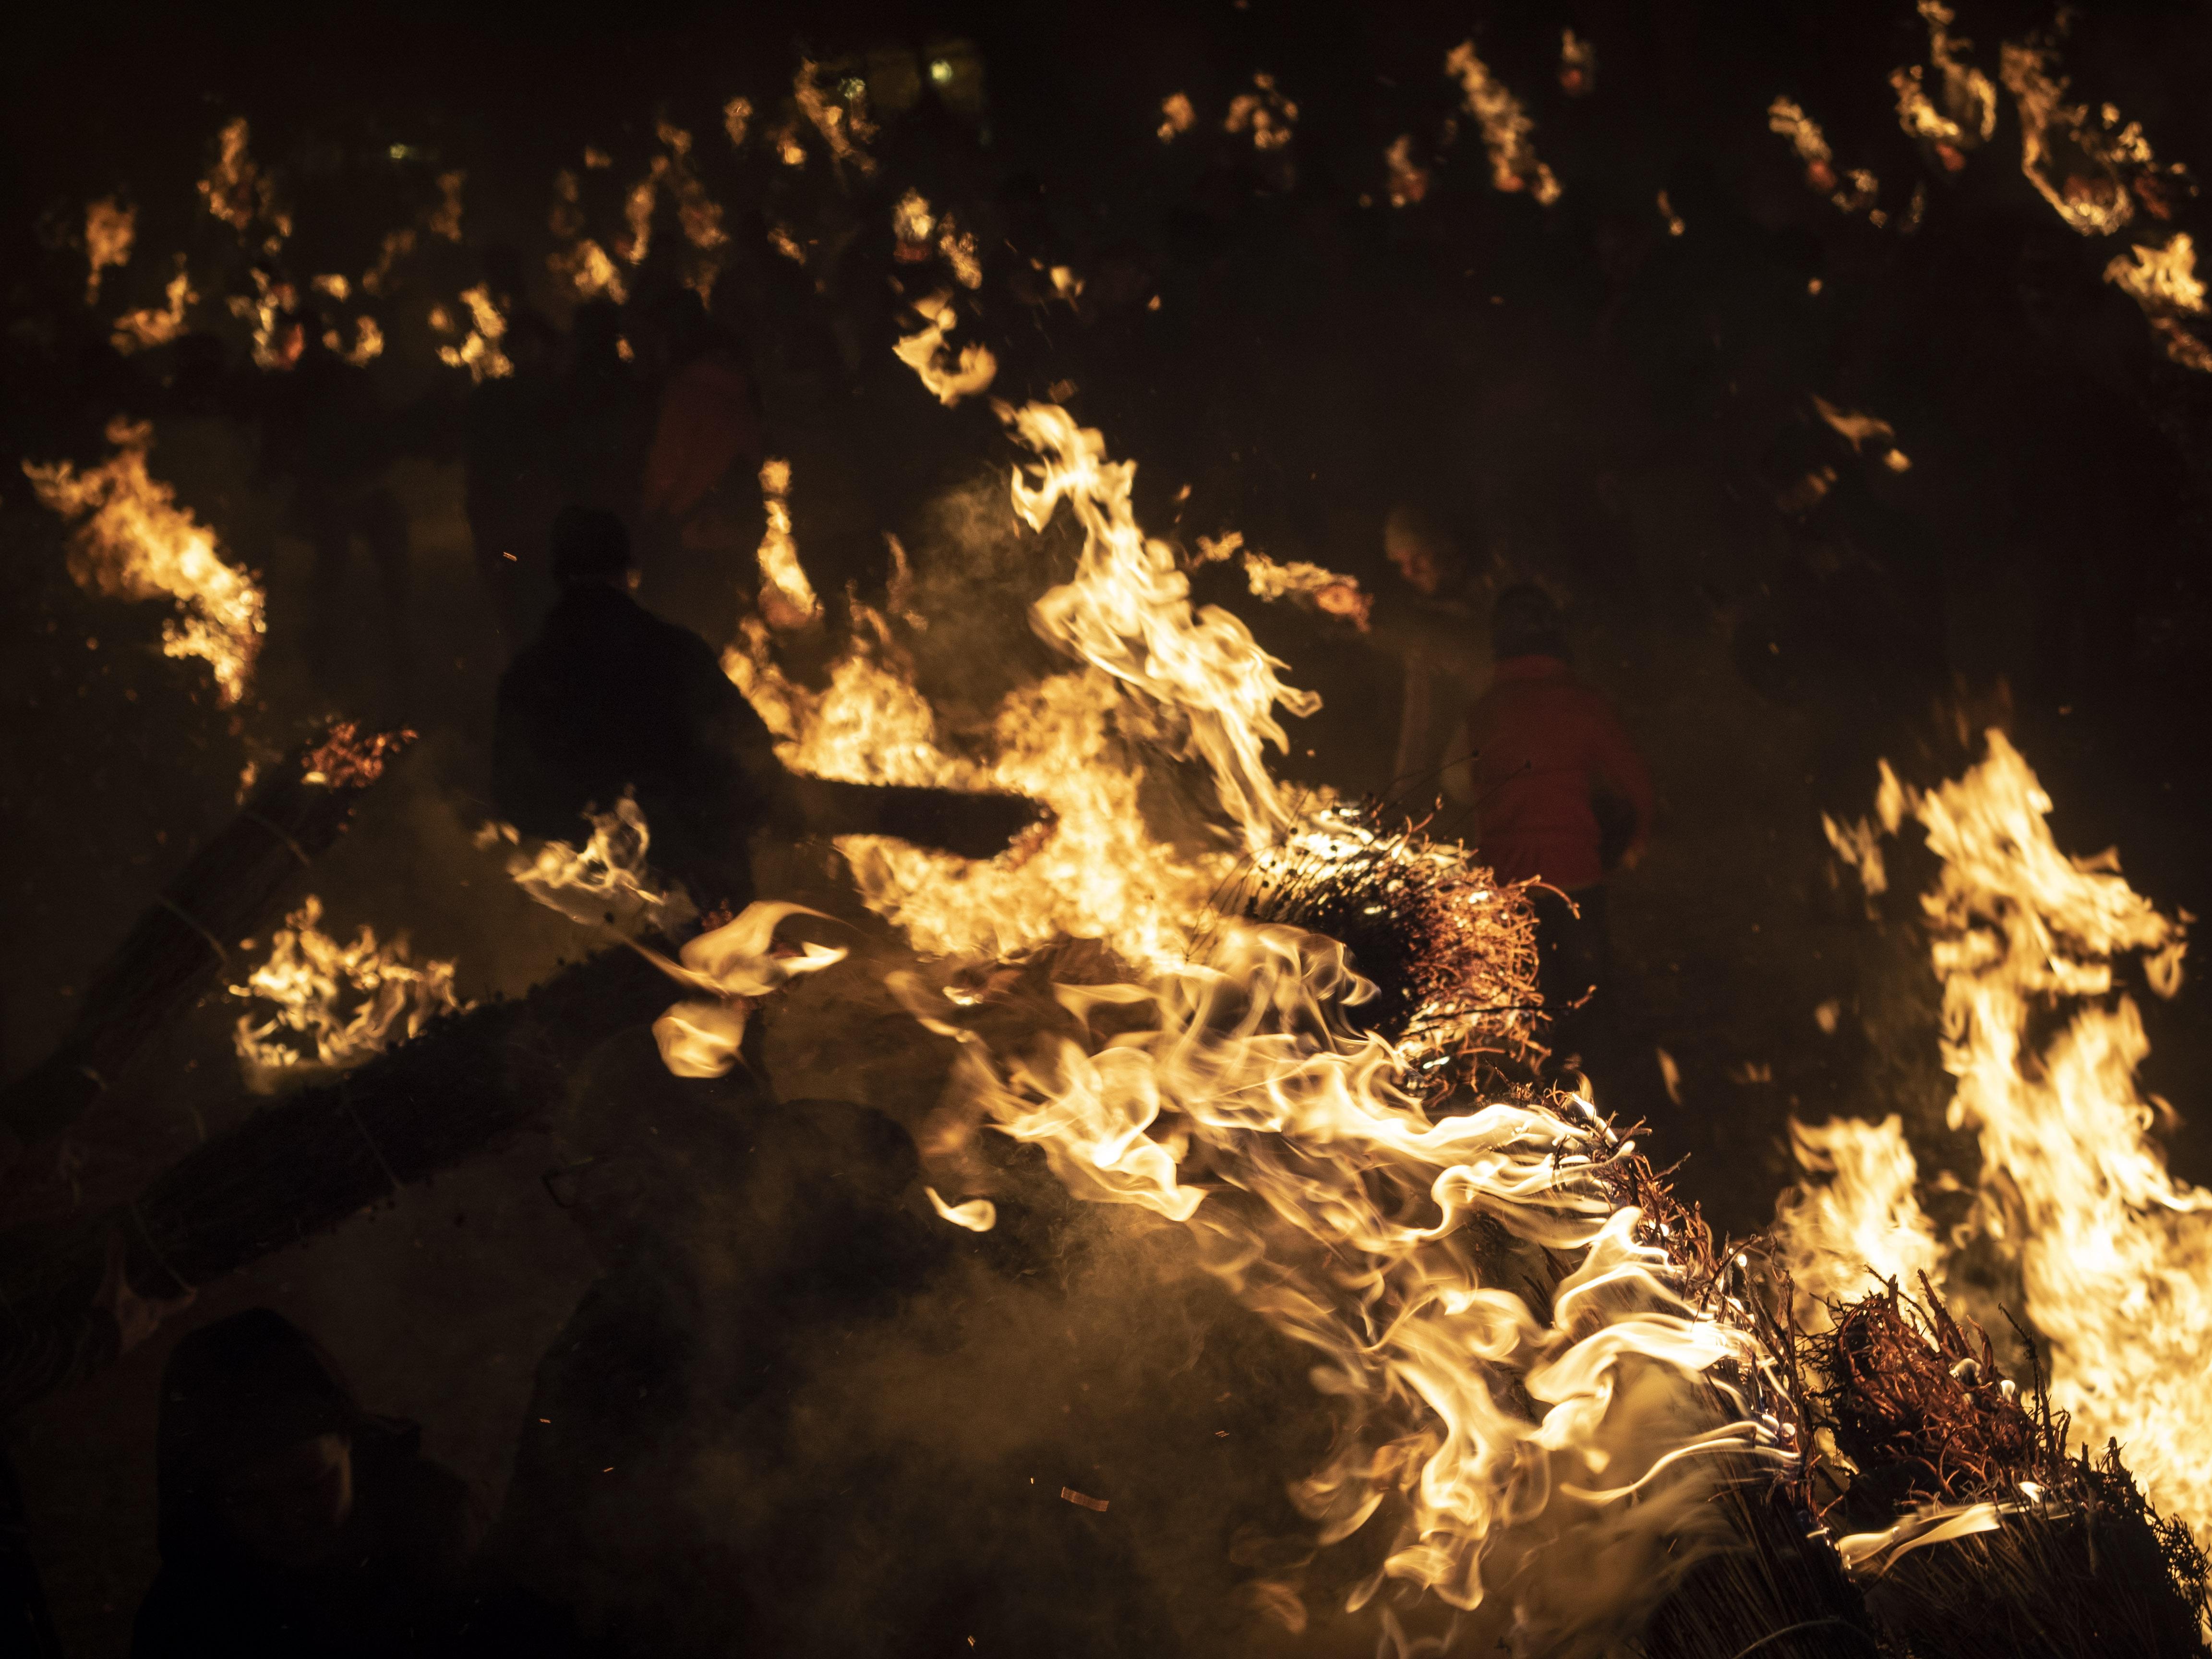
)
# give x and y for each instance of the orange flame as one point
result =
(109, 230)
(1505, 127)
(345, 1003)
(2114, 1254)
(133, 541)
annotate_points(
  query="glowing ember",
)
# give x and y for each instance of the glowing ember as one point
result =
(1505, 127)
(349, 758)
(109, 230)
(737, 117)
(133, 541)
(787, 598)
(333, 1005)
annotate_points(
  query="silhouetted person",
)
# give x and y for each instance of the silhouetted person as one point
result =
(513, 471)
(324, 428)
(1432, 631)
(1557, 793)
(293, 1523)
(700, 502)
(41, 1351)
(610, 698)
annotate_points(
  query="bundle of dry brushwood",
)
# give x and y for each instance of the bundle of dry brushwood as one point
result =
(232, 885)
(2048, 1555)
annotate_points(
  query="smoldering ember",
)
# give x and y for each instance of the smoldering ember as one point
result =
(1212, 830)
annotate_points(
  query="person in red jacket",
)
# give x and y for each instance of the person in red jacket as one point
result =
(1557, 793)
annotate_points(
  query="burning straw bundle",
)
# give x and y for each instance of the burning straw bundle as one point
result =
(1992, 1540)
(174, 950)
(298, 1168)
(1451, 964)
(1774, 1588)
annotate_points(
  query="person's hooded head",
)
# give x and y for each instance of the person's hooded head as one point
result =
(591, 544)
(258, 1444)
(1525, 622)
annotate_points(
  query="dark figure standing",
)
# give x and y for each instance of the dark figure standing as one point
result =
(1557, 794)
(326, 429)
(513, 483)
(1430, 629)
(610, 698)
(292, 1522)
(701, 503)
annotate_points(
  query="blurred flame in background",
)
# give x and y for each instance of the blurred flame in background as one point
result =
(1962, 117)
(109, 231)
(1409, 180)
(1577, 66)
(2094, 171)
(1505, 127)
(444, 219)
(1264, 112)
(332, 1007)
(2164, 282)
(239, 194)
(136, 330)
(1176, 116)
(2114, 1254)
(479, 353)
(131, 540)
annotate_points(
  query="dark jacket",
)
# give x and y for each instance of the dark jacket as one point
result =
(609, 698)
(1547, 752)
(395, 1581)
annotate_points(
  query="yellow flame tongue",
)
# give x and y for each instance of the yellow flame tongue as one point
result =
(1217, 1088)
(2114, 1253)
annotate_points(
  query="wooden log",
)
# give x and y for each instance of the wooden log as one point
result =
(303, 1166)
(227, 890)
